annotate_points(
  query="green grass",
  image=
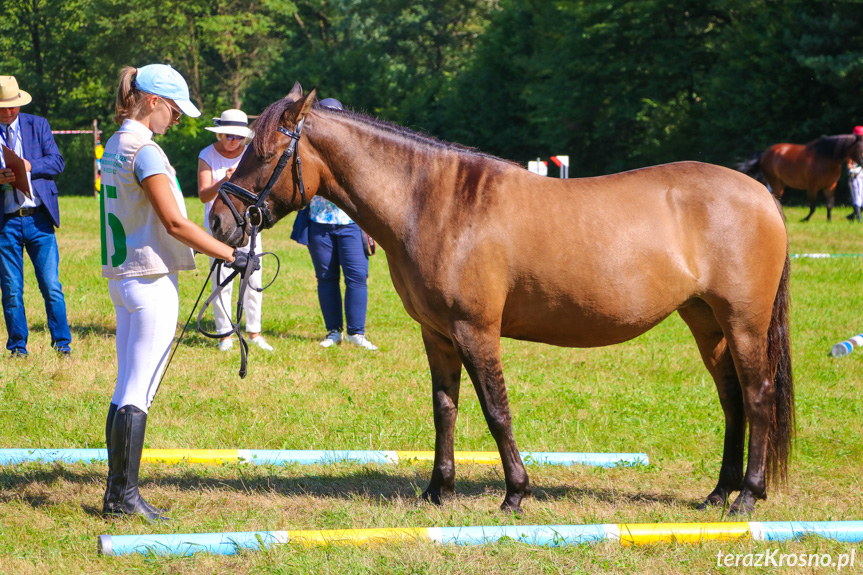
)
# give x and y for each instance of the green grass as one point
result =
(651, 395)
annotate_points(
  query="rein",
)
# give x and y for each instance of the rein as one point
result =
(244, 285)
(235, 326)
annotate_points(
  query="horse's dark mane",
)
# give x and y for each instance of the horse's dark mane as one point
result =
(267, 123)
(833, 147)
(417, 137)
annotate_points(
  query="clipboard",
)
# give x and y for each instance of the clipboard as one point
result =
(16, 164)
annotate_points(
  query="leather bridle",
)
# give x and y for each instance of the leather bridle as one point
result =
(258, 213)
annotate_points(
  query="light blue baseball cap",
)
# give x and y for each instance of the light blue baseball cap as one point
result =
(164, 81)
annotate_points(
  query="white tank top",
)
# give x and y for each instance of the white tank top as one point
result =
(219, 165)
(134, 241)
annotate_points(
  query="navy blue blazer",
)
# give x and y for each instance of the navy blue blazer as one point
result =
(45, 160)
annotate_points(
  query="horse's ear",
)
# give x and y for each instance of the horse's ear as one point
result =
(307, 104)
(296, 92)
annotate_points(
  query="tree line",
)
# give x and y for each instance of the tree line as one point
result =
(615, 84)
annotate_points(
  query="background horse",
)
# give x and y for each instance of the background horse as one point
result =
(814, 167)
(479, 248)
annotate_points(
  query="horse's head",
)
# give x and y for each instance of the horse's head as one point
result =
(267, 184)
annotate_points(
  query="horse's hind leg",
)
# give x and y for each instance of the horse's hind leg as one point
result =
(717, 358)
(445, 367)
(749, 349)
(480, 351)
(830, 199)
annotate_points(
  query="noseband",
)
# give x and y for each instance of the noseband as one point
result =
(258, 213)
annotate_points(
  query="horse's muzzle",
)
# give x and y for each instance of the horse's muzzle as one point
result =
(225, 230)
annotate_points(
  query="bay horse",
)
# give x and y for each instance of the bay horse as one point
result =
(815, 167)
(479, 248)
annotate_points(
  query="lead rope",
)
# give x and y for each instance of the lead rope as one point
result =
(182, 333)
(235, 325)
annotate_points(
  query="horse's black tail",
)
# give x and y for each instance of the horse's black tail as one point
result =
(752, 168)
(782, 426)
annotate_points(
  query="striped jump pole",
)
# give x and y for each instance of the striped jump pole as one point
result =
(539, 535)
(821, 256)
(843, 348)
(312, 457)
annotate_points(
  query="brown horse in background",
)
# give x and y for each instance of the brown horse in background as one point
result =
(815, 167)
(479, 248)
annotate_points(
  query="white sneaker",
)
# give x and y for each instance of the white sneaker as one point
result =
(334, 336)
(361, 340)
(226, 344)
(261, 343)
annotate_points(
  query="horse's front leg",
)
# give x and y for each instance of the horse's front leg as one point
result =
(812, 200)
(445, 366)
(480, 351)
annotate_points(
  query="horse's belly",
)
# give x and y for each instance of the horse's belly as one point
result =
(578, 329)
(592, 317)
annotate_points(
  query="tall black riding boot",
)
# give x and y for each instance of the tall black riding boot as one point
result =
(124, 463)
(857, 213)
(109, 424)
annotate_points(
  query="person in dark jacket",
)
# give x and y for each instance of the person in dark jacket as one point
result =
(29, 222)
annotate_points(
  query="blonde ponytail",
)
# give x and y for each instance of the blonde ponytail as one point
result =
(130, 100)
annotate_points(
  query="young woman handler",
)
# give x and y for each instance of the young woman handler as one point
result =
(146, 240)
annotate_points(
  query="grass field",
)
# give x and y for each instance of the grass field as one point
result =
(649, 395)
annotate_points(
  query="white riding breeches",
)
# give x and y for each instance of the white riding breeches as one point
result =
(856, 185)
(147, 310)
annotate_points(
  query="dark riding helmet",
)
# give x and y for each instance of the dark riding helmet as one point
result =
(331, 103)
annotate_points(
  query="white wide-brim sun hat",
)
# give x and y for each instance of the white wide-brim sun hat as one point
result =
(233, 122)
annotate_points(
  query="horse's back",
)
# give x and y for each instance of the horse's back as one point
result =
(800, 167)
(624, 251)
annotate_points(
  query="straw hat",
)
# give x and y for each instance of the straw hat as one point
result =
(232, 122)
(10, 95)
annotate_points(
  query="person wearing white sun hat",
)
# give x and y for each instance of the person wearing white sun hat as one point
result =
(216, 163)
(146, 241)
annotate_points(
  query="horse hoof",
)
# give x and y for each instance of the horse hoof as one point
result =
(717, 498)
(512, 504)
(515, 510)
(433, 497)
(743, 505)
(709, 504)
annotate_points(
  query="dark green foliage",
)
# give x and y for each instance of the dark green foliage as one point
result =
(613, 84)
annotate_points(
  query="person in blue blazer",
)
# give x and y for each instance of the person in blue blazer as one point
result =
(28, 223)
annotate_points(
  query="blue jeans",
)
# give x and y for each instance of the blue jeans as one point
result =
(331, 247)
(35, 234)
